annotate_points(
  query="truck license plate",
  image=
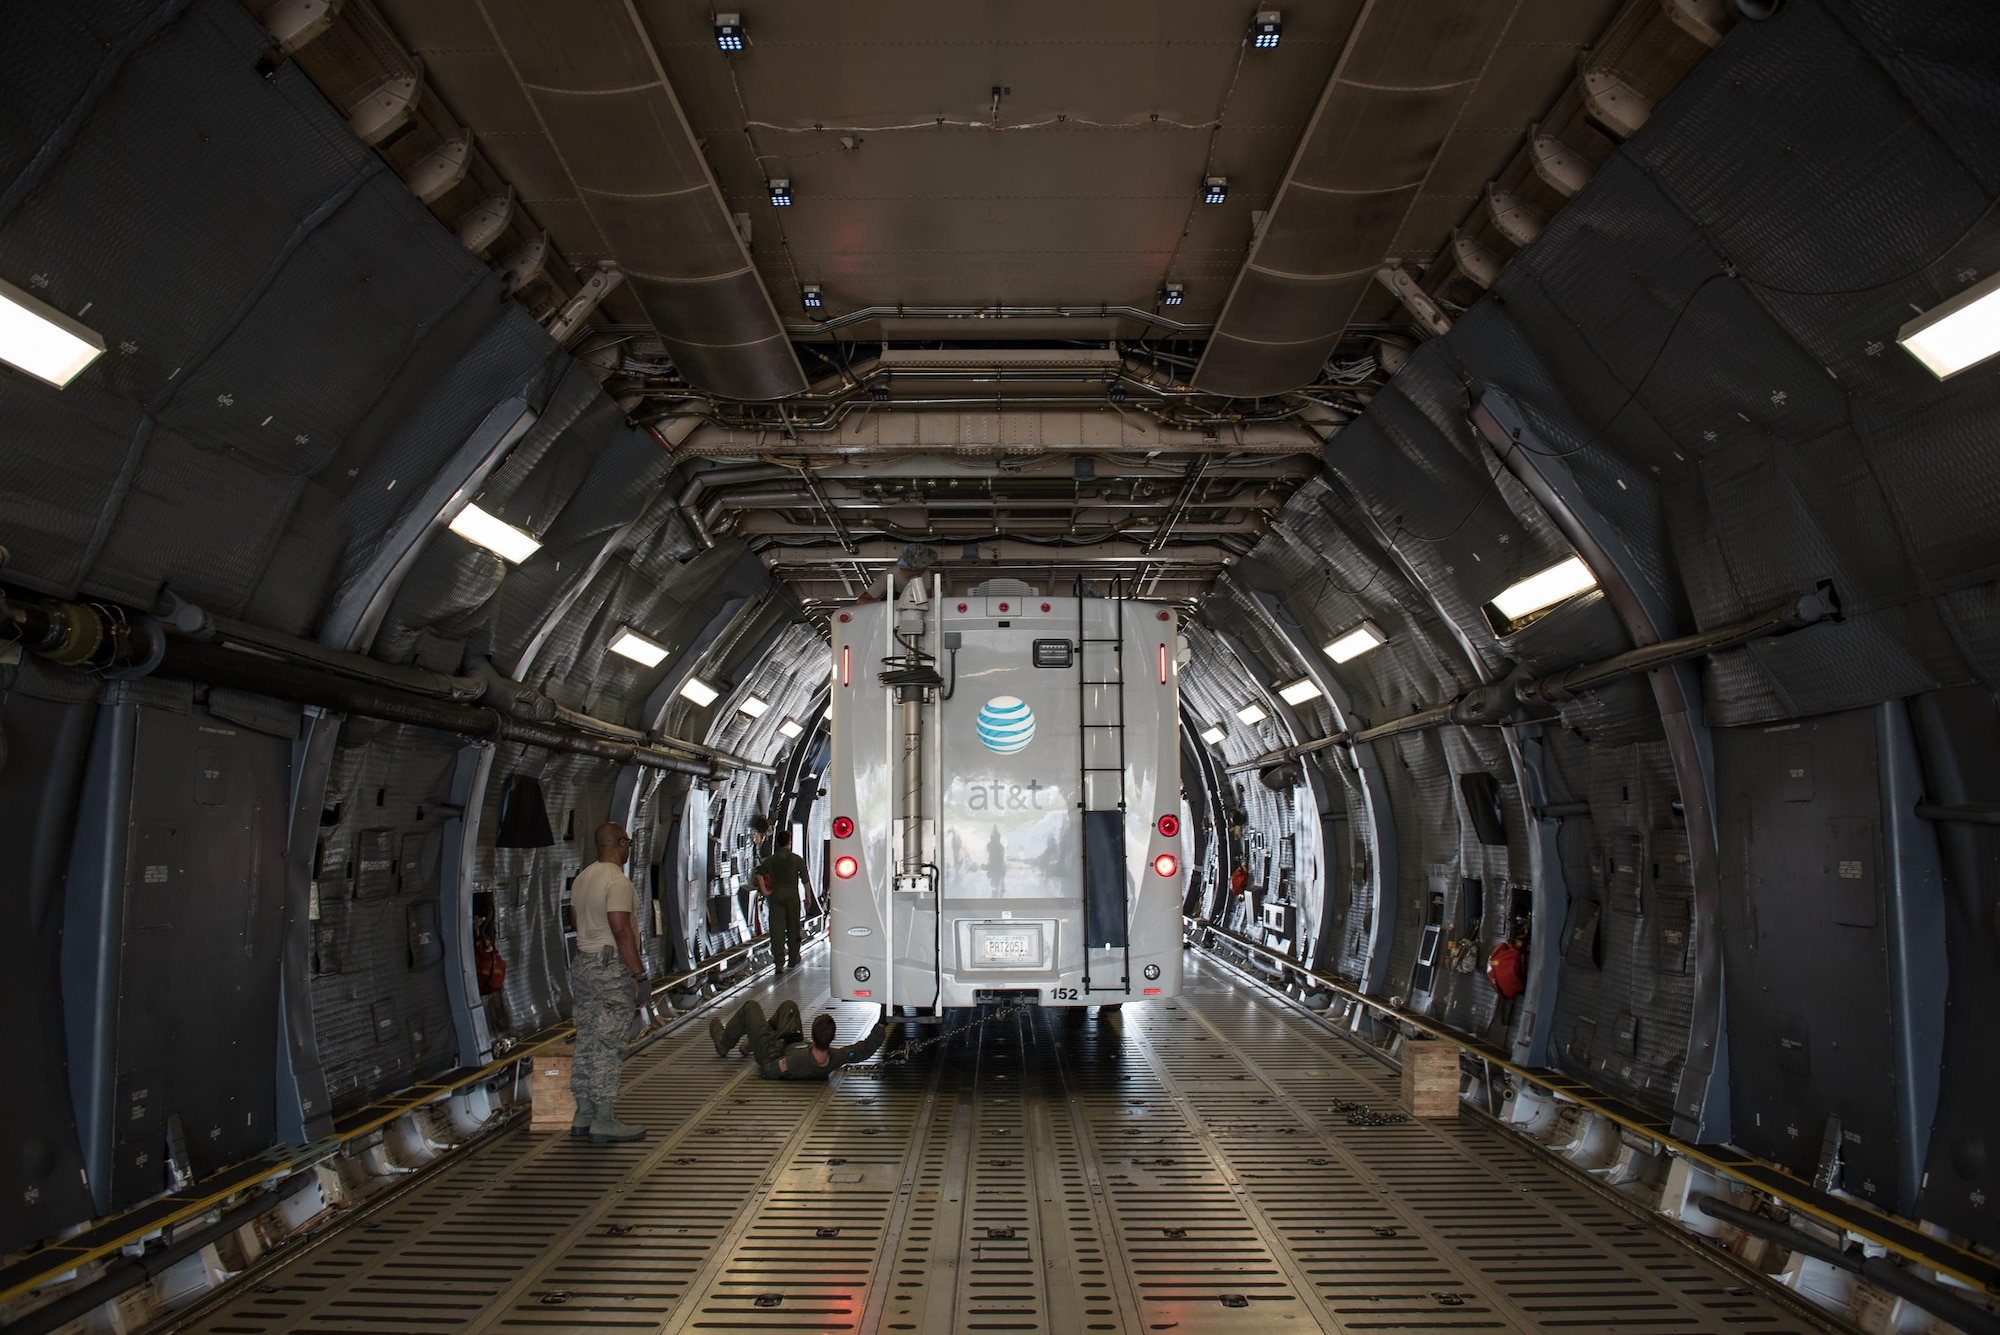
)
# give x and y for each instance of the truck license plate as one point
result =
(1009, 946)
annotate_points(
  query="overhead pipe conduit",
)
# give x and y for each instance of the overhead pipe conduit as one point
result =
(485, 703)
(1495, 702)
(218, 665)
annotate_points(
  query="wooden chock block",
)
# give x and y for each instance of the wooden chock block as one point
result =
(1430, 1079)
(554, 1107)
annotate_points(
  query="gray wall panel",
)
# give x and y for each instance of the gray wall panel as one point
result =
(1804, 945)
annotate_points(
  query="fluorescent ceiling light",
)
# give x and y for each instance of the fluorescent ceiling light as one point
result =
(753, 706)
(789, 728)
(1252, 713)
(41, 340)
(1957, 335)
(1214, 735)
(1298, 692)
(699, 691)
(1551, 586)
(633, 645)
(495, 535)
(1355, 643)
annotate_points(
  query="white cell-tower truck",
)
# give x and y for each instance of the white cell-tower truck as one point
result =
(1006, 799)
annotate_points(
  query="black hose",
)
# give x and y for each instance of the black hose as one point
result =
(1877, 1270)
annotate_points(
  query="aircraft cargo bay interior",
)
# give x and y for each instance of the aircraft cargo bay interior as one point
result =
(1142, 665)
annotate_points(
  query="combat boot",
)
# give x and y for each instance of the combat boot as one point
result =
(715, 1037)
(586, 1112)
(606, 1129)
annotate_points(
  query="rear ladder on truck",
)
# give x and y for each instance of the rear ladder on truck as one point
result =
(1105, 888)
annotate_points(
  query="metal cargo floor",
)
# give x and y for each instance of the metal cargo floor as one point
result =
(1184, 1168)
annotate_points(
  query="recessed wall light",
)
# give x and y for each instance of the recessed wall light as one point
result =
(631, 644)
(494, 534)
(1565, 579)
(699, 691)
(781, 193)
(1214, 189)
(1959, 334)
(729, 32)
(1356, 642)
(1252, 713)
(1298, 692)
(1266, 29)
(1173, 294)
(753, 706)
(1214, 735)
(789, 728)
(41, 340)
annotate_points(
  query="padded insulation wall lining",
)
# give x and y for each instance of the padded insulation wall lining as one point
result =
(1450, 512)
(623, 497)
(207, 447)
(1741, 300)
(446, 607)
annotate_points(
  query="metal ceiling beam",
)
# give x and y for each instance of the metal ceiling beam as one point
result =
(1701, 1098)
(1005, 432)
(878, 551)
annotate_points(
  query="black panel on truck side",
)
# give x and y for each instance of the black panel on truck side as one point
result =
(1104, 885)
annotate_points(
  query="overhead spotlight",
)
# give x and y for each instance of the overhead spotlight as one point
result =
(699, 691)
(753, 706)
(631, 644)
(1354, 643)
(789, 728)
(494, 534)
(1266, 29)
(1213, 736)
(781, 192)
(41, 340)
(1214, 189)
(1544, 589)
(1252, 713)
(1172, 294)
(1298, 692)
(811, 296)
(729, 32)
(1959, 334)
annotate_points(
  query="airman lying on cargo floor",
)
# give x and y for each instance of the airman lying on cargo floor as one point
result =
(776, 1044)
